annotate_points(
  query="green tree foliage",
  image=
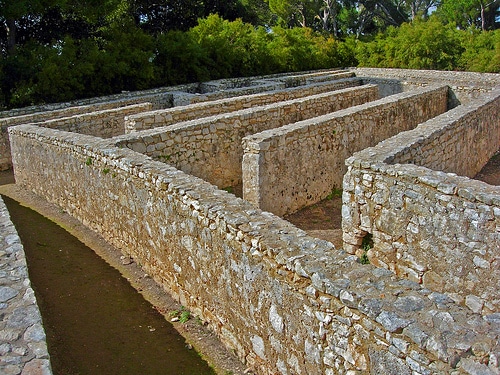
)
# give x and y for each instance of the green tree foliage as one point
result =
(57, 50)
(226, 44)
(302, 49)
(482, 51)
(157, 17)
(257, 13)
(417, 45)
(293, 12)
(344, 17)
(178, 59)
(238, 49)
(470, 13)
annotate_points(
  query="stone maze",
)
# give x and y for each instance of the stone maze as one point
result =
(414, 288)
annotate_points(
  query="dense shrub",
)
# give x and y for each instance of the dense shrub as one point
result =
(482, 51)
(178, 59)
(227, 46)
(418, 45)
(122, 56)
(71, 69)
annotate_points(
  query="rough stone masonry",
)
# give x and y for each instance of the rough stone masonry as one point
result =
(285, 302)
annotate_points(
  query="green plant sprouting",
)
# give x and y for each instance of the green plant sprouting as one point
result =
(165, 158)
(335, 193)
(366, 245)
(182, 314)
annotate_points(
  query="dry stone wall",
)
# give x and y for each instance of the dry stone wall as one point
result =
(187, 98)
(74, 113)
(23, 347)
(471, 130)
(301, 79)
(154, 119)
(465, 86)
(211, 149)
(428, 223)
(299, 164)
(100, 123)
(228, 88)
(159, 98)
(105, 124)
(61, 113)
(285, 302)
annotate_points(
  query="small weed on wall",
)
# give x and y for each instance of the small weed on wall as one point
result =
(366, 245)
(182, 315)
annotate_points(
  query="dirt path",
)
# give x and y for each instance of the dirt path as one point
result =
(322, 220)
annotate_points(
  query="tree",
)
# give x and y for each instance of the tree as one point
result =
(51, 20)
(179, 59)
(226, 44)
(257, 12)
(470, 13)
(228, 9)
(329, 12)
(12, 14)
(157, 17)
(421, 8)
(294, 12)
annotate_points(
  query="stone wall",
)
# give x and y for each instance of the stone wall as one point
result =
(305, 78)
(100, 123)
(105, 124)
(285, 302)
(466, 86)
(427, 223)
(187, 98)
(299, 164)
(23, 347)
(154, 119)
(211, 149)
(164, 97)
(59, 113)
(160, 98)
(228, 88)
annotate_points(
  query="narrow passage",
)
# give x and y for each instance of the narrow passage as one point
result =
(95, 322)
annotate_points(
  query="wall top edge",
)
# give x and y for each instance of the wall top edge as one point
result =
(222, 101)
(265, 135)
(470, 79)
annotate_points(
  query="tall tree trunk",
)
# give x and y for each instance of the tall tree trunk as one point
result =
(483, 24)
(324, 19)
(303, 23)
(329, 16)
(11, 28)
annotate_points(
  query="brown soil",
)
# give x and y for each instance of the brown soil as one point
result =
(491, 171)
(322, 220)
